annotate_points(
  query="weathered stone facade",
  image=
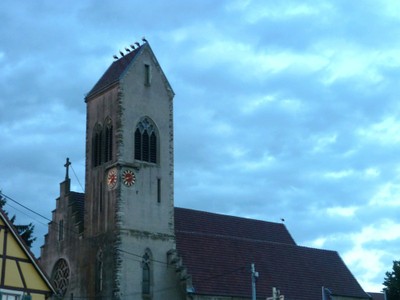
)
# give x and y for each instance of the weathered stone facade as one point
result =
(123, 221)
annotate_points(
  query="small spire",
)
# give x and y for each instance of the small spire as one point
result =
(67, 164)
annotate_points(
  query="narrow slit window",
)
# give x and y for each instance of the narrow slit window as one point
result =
(158, 190)
(147, 74)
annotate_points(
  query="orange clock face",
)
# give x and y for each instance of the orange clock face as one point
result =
(128, 178)
(112, 178)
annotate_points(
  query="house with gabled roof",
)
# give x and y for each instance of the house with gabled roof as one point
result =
(21, 278)
(125, 239)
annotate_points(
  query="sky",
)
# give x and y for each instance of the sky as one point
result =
(283, 109)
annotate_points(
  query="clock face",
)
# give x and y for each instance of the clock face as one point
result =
(128, 177)
(112, 178)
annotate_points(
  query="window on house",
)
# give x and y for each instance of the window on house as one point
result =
(12, 295)
(146, 141)
(146, 275)
(147, 74)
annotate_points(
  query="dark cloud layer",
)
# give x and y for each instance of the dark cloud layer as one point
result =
(282, 109)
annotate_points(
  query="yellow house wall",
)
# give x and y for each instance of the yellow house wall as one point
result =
(12, 275)
(38, 297)
(13, 247)
(31, 275)
(31, 279)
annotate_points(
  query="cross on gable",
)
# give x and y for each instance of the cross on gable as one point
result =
(67, 164)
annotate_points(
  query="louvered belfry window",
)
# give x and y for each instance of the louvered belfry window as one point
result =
(146, 141)
(102, 143)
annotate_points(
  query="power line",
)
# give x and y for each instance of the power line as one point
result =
(27, 208)
(77, 179)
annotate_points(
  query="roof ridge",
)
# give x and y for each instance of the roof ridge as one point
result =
(229, 237)
(228, 216)
(198, 233)
(113, 73)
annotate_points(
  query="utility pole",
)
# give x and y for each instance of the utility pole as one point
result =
(254, 276)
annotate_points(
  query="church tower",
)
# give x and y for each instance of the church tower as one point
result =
(119, 250)
(129, 222)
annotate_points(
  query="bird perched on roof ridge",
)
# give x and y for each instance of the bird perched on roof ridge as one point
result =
(137, 44)
(133, 47)
(115, 57)
(144, 39)
(127, 49)
(122, 53)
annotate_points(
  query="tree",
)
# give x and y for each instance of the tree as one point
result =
(24, 231)
(392, 282)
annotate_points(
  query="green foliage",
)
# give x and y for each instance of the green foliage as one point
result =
(24, 231)
(392, 282)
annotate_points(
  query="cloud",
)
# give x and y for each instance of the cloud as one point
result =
(282, 109)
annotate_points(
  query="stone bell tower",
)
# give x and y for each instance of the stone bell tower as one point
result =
(112, 241)
(129, 180)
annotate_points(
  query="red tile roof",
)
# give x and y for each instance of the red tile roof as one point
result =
(189, 220)
(219, 258)
(114, 72)
(377, 296)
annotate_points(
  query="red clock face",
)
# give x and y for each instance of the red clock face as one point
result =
(128, 177)
(112, 178)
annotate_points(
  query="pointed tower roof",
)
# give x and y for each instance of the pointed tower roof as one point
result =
(117, 69)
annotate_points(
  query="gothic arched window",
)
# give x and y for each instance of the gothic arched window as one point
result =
(102, 143)
(60, 277)
(108, 140)
(146, 275)
(97, 145)
(146, 141)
